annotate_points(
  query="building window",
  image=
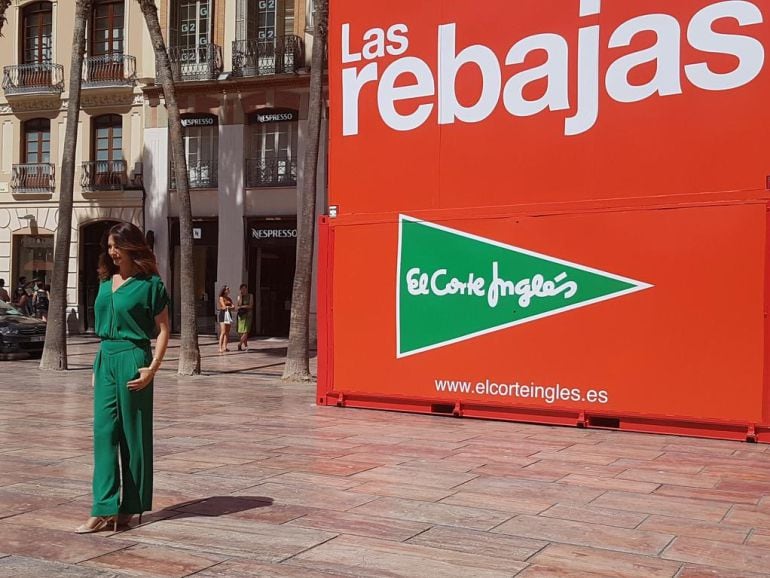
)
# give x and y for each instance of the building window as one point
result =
(191, 24)
(35, 174)
(37, 26)
(108, 138)
(107, 28)
(201, 147)
(274, 145)
(107, 169)
(37, 141)
(263, 19)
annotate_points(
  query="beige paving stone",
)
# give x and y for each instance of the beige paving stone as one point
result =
(433, 513)
(579, 560)
(241, 568)
(500, 503)
(753, 517)
(694, 571)
(57, 545)
(355, 556)
(531, 490)
(720, 531)
(414, 475)
(674, 479)
(230, 537)
(408, 491)
(22, 567)
(583, 534)
(739, 557)
(477, 542)
(604, 483)
(360, 525)
(707, 494)
(654, 504)
(593, 515)
(143, 560)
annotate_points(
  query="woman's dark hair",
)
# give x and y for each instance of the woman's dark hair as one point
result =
(243, 285)
(129, 239)
(224, 288)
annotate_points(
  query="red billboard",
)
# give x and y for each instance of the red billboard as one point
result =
(549, 210)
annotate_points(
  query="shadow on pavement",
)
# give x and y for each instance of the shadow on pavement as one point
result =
(217, 506)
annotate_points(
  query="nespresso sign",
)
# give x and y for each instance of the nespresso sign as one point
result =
(199, 120)
(275, 115)
(260, 234)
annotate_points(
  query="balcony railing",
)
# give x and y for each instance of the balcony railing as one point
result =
(33, 78)
(33, 178)
(202, 62)
(281, 55)
(109, 70)
(201, 175)
(271, 172)
(104, 175)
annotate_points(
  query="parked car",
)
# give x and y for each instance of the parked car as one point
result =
(19, 334)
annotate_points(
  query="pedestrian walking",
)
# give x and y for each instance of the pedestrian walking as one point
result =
(131, 308)
(4, 296)
(21, 297)
(225, 318)
(245, 306)
(40, 301)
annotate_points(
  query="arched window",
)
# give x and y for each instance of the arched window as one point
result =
(37, 141)
(36, 39)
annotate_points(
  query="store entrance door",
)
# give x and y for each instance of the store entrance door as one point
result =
(92, 244)
(272, 260)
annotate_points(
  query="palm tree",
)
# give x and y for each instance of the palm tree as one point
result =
(55, 349)
(298, 355)
(190, 357)
(4, 5)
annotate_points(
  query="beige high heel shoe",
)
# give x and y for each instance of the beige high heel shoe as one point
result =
(97, 524)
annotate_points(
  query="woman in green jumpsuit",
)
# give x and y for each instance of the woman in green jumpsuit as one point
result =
(131, 308)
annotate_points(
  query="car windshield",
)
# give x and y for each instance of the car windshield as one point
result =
(8, 309)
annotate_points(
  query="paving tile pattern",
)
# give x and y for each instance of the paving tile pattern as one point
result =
(252, 479)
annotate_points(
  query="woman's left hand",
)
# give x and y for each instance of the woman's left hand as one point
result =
(145, 377)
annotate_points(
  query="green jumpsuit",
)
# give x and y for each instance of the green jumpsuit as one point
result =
(125, 321)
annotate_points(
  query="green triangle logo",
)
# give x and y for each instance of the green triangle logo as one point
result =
(454, 286)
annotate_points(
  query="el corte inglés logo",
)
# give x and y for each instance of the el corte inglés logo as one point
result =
(454, 286)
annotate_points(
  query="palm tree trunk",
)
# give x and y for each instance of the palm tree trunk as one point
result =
(55, 349)
(189, 357)
(298, 355)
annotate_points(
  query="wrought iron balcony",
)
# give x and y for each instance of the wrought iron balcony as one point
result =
(202, 62)
(201, 175)
(109, 70)
(104, 176)
(33, 178)
(281, 55)
(271, 172)
(37, 78)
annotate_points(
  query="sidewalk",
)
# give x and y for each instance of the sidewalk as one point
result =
(253, 479)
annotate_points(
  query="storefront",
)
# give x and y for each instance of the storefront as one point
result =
(33, 256)
(272, 248)
(205, 235)
(92, 245)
